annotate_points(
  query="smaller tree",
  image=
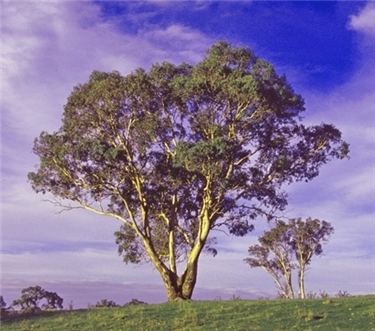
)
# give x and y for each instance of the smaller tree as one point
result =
(35, 298)
(307, 239)
(289, 246)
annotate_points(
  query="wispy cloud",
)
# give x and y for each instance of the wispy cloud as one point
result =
(364, 21)
(49, 47)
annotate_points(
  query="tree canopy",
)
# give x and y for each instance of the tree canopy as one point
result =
(179, 150)
(35, 298)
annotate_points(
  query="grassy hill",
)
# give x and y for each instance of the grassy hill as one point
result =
(353, 313)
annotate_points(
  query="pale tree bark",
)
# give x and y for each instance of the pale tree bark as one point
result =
(182, 287)
(283, 290)
(303, 257)
(289, 285)
(286, 271)
(301, 282)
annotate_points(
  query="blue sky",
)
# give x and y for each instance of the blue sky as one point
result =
(310, 36)
(324, 48)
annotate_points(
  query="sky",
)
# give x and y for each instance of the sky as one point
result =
(326, 50)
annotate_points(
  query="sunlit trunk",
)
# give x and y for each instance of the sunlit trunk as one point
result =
(181, 288)
(190, 279)
(301, 283)
(290, 286)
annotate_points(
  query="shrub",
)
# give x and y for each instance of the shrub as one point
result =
(104, 303)
(342, 294)
(311, 295)
(315, 295)
(135, 302)
(323, 294)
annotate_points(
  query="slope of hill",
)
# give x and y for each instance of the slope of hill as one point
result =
(352, 313)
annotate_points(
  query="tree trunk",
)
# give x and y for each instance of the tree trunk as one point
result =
(290, 286)
(189, 279)
(181, 288)
(301, 283)
(174, 293)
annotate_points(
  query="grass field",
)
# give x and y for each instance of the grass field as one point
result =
(352, 313)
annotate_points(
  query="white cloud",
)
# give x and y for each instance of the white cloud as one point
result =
(47, 48)
(364, 21)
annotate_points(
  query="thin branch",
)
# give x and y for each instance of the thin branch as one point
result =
(64, 208)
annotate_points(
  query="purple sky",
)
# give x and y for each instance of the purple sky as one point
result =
(48, 47)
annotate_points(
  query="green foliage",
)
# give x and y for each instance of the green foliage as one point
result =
(354, 313)
(129, 245)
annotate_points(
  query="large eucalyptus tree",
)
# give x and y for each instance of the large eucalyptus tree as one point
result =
(177, 151)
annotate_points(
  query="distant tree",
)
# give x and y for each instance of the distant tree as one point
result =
(289, 246)
(180, 150)
(307, 240)
(2, 303)
(35, 298)
(106, 303)
(53, 301)
(4, 310)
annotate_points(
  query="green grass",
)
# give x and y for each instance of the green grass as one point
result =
(353, 313)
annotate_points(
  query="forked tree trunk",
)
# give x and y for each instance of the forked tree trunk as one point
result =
(181, 288)
(178, 287)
